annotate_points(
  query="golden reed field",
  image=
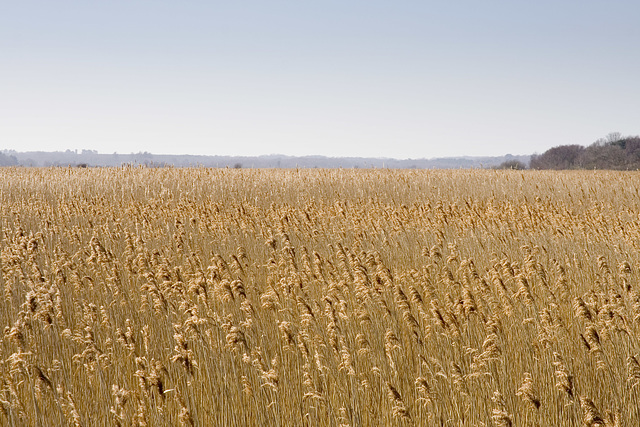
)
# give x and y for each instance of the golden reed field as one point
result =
(196, 297)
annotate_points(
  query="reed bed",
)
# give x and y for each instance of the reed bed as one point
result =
(162, 297)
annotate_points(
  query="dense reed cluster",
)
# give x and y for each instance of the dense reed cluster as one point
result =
(162, 297)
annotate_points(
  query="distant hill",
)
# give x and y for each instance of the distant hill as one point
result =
(92, 158)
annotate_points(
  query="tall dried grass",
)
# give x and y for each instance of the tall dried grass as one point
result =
(159, 297)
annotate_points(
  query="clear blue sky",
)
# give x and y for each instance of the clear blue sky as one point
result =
(403, 79)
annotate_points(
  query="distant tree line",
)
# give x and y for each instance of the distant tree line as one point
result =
(91, 158)
(6, 160)
(613, 152)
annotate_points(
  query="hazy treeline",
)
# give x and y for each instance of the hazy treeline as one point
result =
(6, 160)
(613, 152)
(92, 158)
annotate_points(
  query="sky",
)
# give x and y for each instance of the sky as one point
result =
(398, 79)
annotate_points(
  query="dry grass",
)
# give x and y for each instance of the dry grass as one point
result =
(315, 297)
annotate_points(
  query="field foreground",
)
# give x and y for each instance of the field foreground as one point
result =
(167, 297)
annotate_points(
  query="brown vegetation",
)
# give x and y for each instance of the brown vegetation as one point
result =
(318, 297)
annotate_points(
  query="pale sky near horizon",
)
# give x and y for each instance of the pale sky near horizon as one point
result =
(401, 79)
